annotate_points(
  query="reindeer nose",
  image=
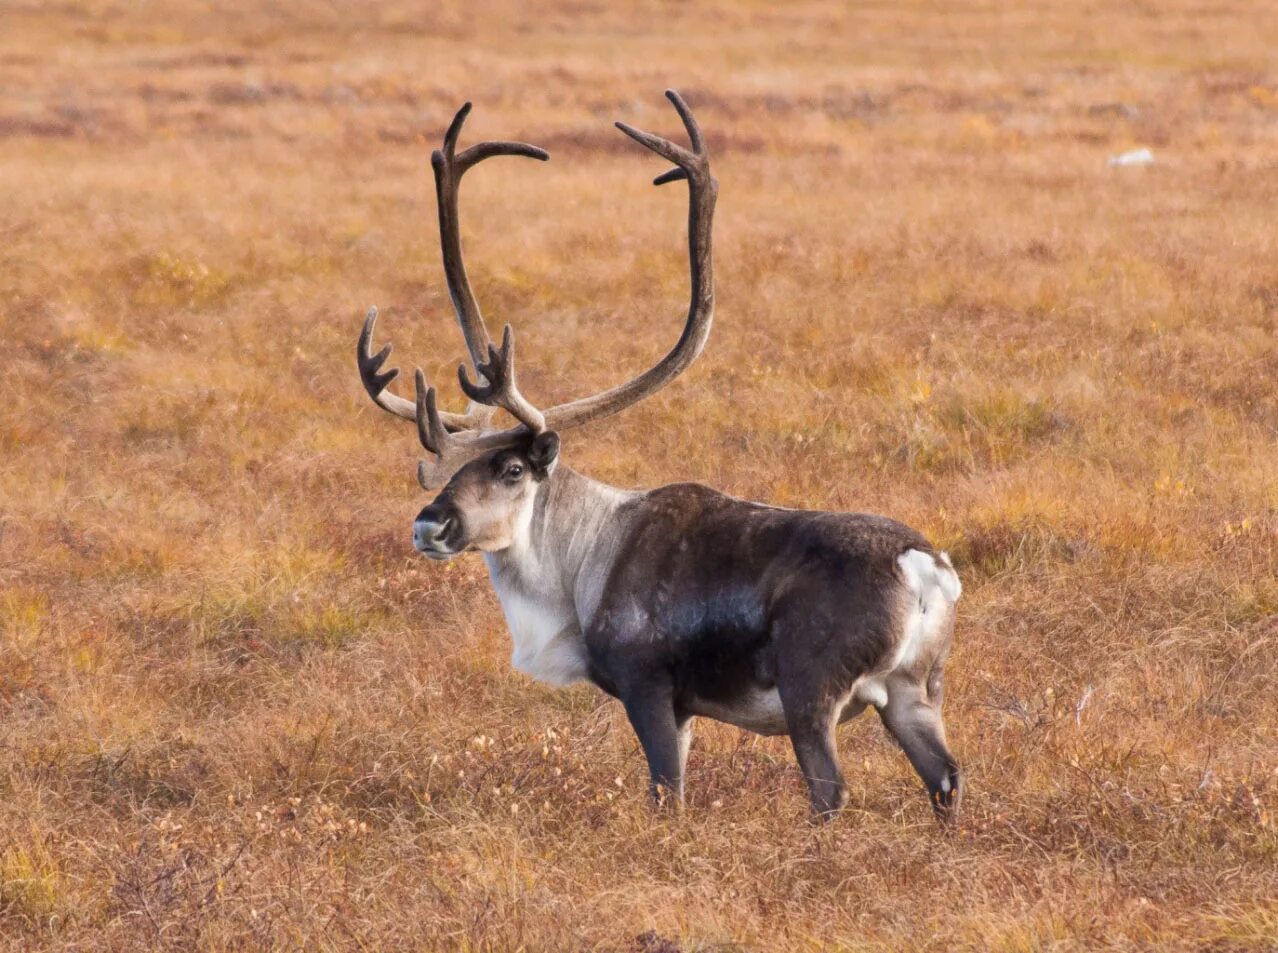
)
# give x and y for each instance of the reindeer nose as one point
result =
(430, 528)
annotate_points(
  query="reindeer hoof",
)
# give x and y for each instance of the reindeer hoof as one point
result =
(946, 798)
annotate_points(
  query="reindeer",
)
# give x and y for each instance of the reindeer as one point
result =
(679, 601)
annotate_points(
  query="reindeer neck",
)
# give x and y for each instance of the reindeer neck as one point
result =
(575, 524)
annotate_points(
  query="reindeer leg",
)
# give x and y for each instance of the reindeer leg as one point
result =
(664, 738)
(810, 717)
(914, 720)
(812, 735)
(812, 699)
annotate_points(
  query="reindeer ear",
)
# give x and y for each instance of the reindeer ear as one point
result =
(544, 453)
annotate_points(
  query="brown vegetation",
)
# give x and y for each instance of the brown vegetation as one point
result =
(236, 713)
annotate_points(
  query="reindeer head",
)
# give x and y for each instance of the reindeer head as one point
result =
(488, 503)
(491, 476)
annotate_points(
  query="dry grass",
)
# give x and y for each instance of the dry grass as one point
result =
(236, 713)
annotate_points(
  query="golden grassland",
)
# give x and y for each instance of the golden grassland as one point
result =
(237, 713)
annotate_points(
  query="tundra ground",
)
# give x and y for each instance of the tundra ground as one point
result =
(236, 713)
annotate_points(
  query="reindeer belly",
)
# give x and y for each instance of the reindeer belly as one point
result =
(759, 710)
(755, 709)
(731, 677)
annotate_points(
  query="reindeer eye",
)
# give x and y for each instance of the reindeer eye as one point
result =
(514, 471)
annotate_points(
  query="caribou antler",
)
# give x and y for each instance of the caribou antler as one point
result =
(449, 167)
(455, 439)
(694, 166)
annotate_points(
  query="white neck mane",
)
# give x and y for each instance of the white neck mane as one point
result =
(551, 578)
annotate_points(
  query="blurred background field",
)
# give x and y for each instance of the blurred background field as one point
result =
(237, 713)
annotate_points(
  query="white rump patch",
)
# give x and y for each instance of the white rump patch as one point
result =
(931, 588)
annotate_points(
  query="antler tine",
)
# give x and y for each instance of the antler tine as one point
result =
(454, 130)
(377, 381)
(449, 449)
(500, 389)
(430, 429)
(370, 365)
(662, 147)
(689, 121)
(486, 150)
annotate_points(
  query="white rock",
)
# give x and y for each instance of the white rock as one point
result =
(1132, 157)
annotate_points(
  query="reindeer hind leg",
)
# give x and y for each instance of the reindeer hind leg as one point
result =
(914, 720)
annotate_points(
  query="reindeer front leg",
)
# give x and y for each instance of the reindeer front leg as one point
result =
(664, 736)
